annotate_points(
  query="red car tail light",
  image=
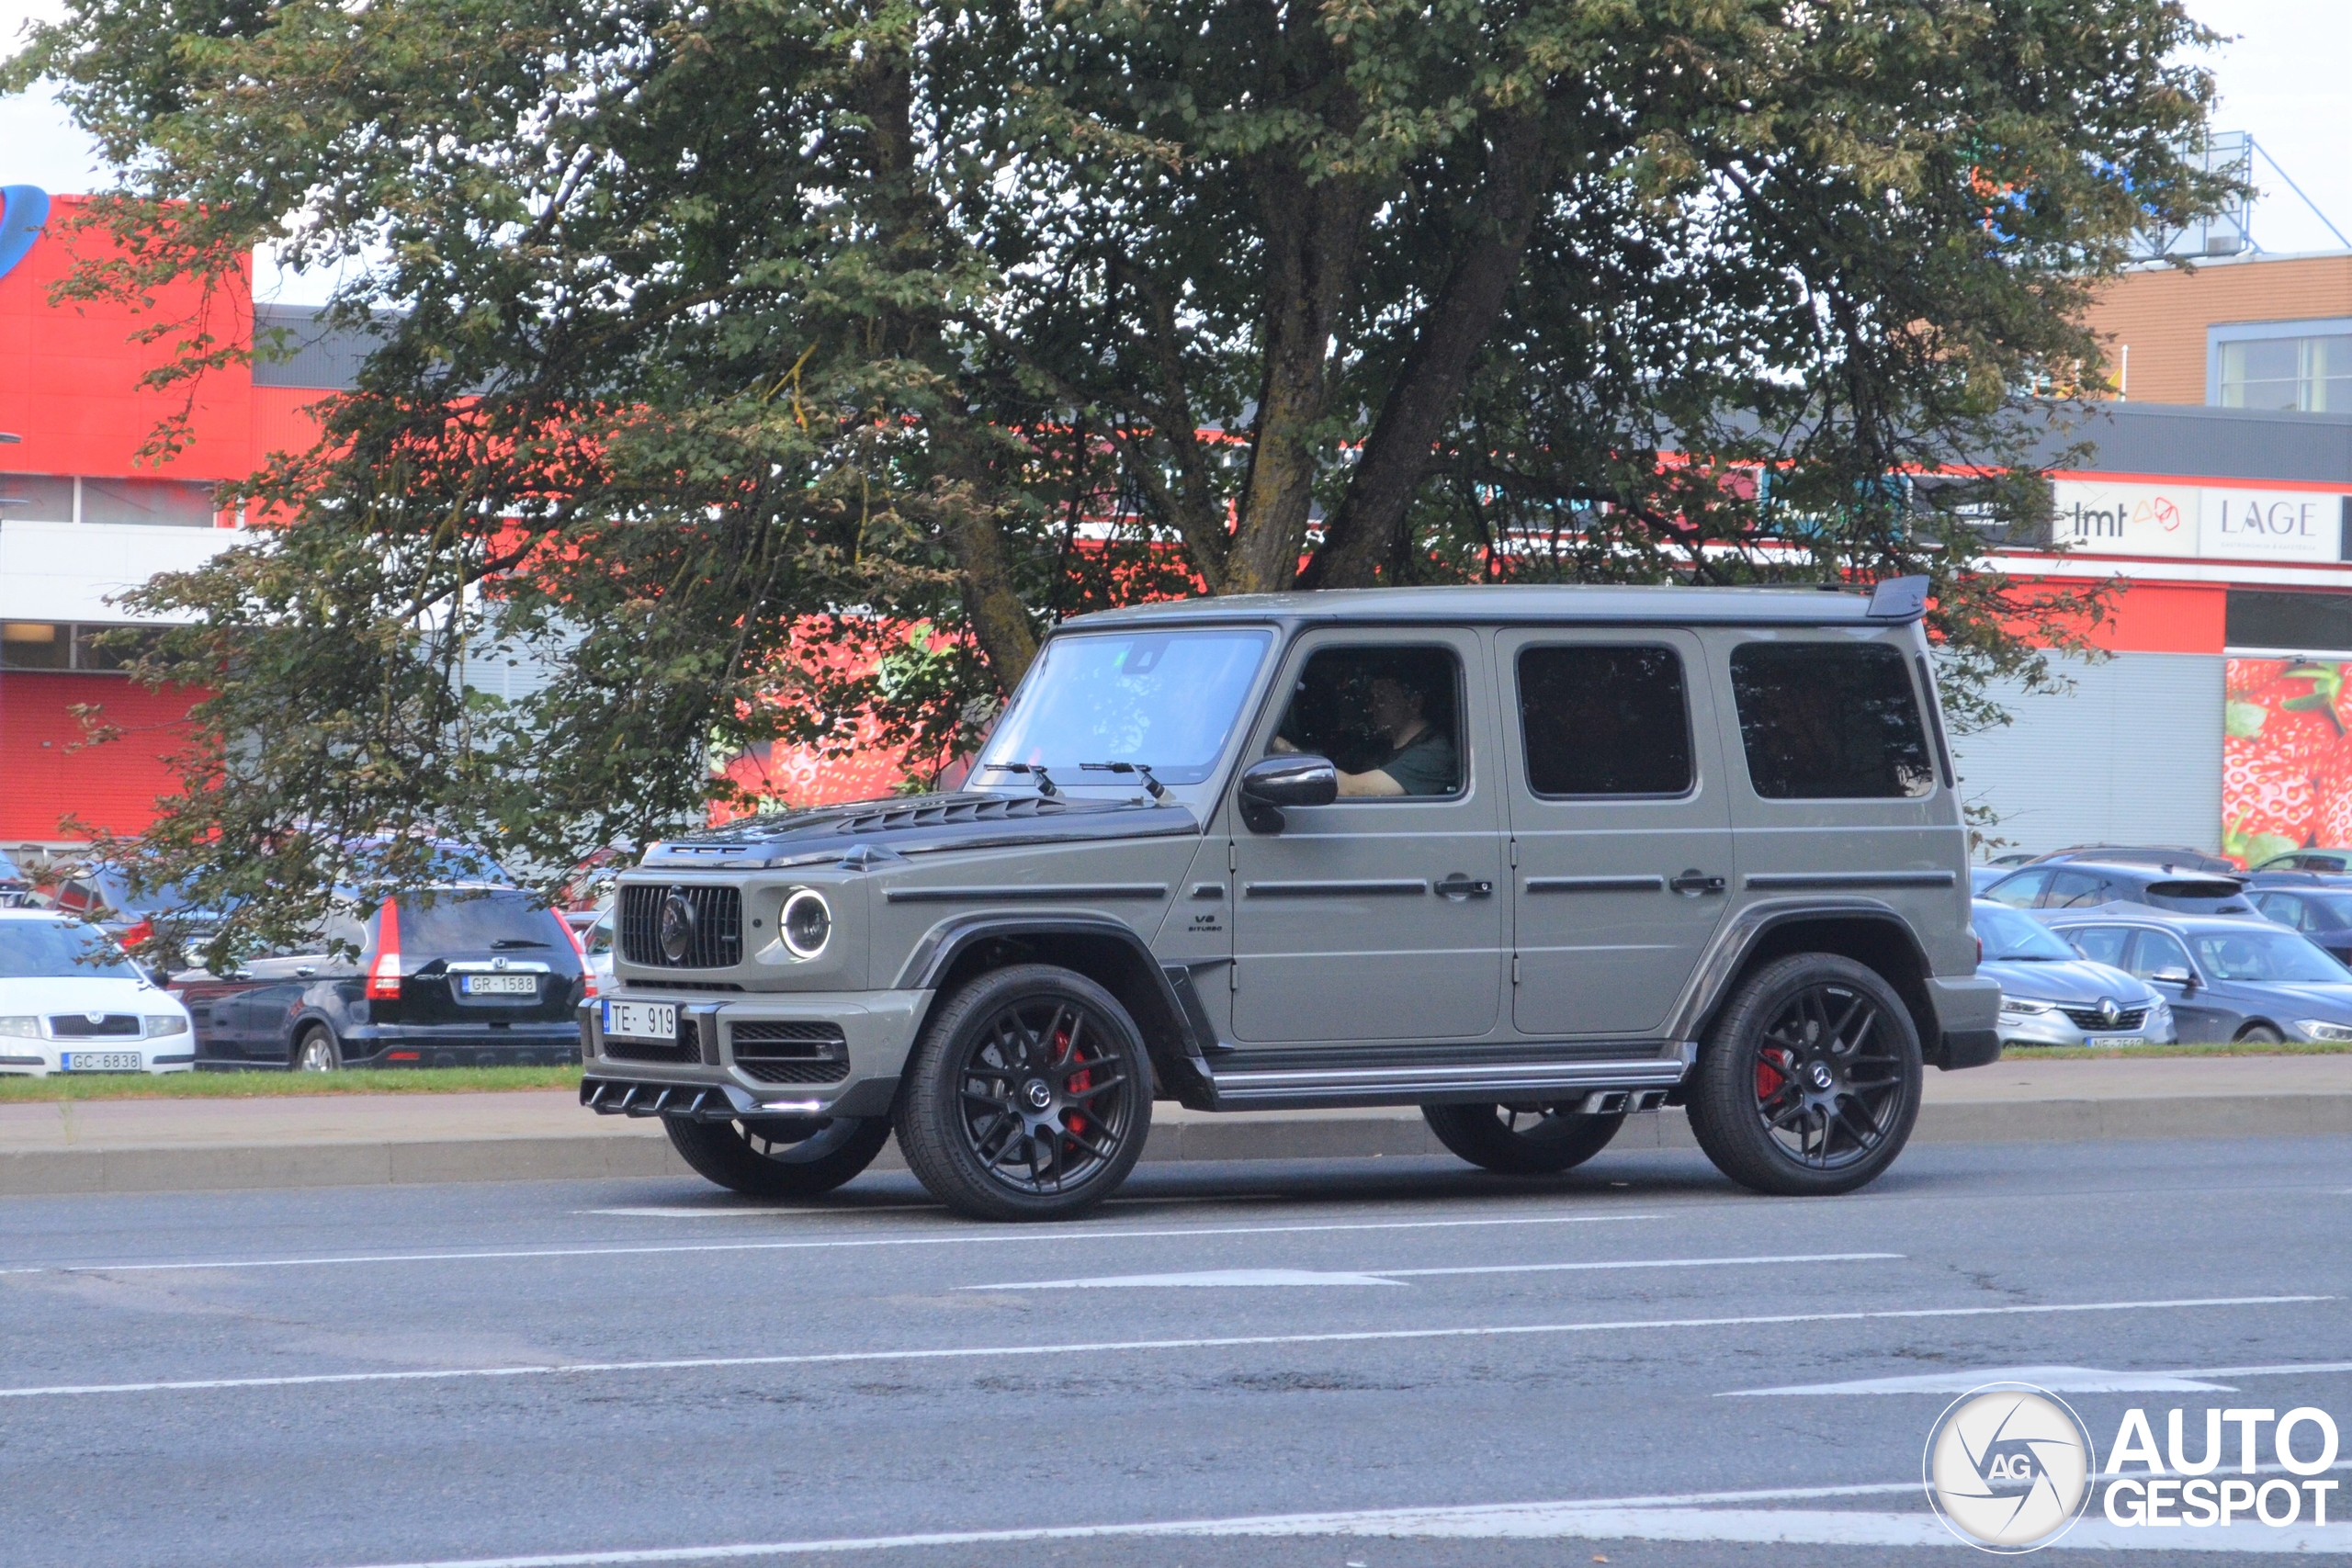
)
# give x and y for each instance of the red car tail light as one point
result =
(384, 975)
(587, 976)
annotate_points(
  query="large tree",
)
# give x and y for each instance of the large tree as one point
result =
(714, 337)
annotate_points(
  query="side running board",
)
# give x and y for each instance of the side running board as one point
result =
(1639, 1084)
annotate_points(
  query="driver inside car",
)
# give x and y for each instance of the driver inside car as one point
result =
(1413, 751)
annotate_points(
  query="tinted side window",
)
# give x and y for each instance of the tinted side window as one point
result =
(1604, 721)
(2018, 892)
(2156, 950)
(1391, 710)
(2100, 944)
(2075, 889)
(1829, 721)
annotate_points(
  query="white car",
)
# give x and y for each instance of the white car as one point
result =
(70, 1002)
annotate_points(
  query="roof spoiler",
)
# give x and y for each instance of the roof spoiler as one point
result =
(1899, 598)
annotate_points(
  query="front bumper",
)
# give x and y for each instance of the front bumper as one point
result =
(39, 1059)
(827, 1053)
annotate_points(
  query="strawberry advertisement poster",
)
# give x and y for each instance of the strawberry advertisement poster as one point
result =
(2286, 758)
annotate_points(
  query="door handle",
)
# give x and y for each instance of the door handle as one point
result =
(1459, 886)
(1695, 882)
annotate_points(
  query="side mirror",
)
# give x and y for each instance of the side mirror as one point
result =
(1277, 782)
(2180, 978)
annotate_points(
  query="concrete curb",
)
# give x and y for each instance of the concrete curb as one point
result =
(640, 1151)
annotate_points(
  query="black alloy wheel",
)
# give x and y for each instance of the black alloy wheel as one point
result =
(1029, 1098)
(777, 1157)
(1521, 1140)
(1809, 1083)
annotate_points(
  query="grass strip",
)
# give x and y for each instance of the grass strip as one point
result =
(283, 1085)
(2142, 1053)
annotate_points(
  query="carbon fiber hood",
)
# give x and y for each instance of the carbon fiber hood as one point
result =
(870, 831)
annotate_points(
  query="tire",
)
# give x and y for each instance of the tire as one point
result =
(2259, 1035)
(1521, 1140)
(1841, 1124)
(968, 1124)
(315, 1051)
(779, 1157)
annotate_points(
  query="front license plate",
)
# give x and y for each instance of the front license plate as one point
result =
(2116, 1040)
(641, 1020)
(500, 985)
(99, 1062)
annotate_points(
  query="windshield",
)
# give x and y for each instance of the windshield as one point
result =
(2014, 938)
(58, 950)
(1167, 701)
(2264, 955)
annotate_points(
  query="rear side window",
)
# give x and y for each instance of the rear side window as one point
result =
(1604, 721)
(2075, 890)
(1829, 721)
(2100, 944)
(462, 922)
(2018, 892)
(2158, 953)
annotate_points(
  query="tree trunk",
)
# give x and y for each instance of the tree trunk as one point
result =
(1368, 530)
(1314, 234)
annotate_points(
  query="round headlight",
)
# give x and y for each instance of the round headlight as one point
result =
(807, 923)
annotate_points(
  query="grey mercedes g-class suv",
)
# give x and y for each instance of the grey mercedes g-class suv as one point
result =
(1530, 858)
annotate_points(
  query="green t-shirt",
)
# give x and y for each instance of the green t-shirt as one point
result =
(1426, 764)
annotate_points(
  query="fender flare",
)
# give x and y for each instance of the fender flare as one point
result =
(1747, 930)
(935, 954)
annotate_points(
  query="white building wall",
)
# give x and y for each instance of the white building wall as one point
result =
(68, 572)
(2133, 755)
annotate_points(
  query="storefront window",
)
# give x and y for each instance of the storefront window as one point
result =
(173, 502)
(51, 645)
(35, 498)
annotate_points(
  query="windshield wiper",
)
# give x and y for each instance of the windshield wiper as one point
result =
(1158, 789)
(510, 942)
(1035, 770)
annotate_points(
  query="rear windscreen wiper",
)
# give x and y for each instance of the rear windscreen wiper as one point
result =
(512, 942)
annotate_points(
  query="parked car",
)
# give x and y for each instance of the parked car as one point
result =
(2168, 857)
(2050, 995)
(2225, 977)
(447, 975)
(161, 926)
(1526, 857)
(594, 928)
(16, 889)
(71, 1001)
(1979, 877)
(2327, 862)
(2321, 911)
(2080, 884)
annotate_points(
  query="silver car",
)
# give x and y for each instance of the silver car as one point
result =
(2050, 995)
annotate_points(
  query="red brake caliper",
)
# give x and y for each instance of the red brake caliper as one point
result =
(1769, 1079)
(1078, 1084)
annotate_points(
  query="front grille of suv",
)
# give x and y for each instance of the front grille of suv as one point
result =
(790, 1051)
(2088, 1017)
(718, 940)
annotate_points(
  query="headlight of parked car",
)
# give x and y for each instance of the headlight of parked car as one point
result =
(165, 1024)
(20, 1026)
(807, 923)
(2315, 1029)
(2022, 1007)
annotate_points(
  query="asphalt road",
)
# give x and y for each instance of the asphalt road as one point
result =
(1258, 1364)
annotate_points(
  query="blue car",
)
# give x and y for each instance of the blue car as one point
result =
(2226, 979)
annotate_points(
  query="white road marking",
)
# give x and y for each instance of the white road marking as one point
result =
(985, 1352)
(1391, 1276)
(2057, 1380)
(1203, 1277)
(1698, 1518)
(952, 1238)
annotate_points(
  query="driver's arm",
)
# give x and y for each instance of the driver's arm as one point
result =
(1373, 783)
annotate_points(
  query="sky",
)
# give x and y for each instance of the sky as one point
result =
(2282, 76)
